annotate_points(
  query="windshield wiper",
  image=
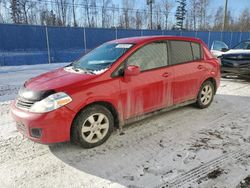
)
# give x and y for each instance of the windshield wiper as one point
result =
(89, 71)
(78, 69)
(75, 69)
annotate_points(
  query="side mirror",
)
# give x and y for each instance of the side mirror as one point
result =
(132, 70)
(224, 49)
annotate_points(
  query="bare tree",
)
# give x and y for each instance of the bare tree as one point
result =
(62, 6)
(93, 13)
(104, 13)
(1, 11)
(157, 16)
(113, 15)
(20, 10)
(48, 18)
(193, 14)
(26, 7)
(167, 5)
(74, 13)
(87, 10)
(105, 16)
(127, 5)
(244, 20)
(138, 20)
(202, 13)
(218, 19)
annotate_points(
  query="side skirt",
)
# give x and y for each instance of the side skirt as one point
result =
(147, 115)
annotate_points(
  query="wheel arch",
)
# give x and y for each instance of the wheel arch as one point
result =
(211, 79)
(105, 104)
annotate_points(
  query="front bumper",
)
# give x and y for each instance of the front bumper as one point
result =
(236, 70)
(235, 66)
(45, 128)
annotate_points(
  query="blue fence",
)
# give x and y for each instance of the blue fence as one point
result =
(25, 44)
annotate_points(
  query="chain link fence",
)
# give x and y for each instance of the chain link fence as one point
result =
(29, 44)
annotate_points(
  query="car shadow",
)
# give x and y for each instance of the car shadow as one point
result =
(123, 159)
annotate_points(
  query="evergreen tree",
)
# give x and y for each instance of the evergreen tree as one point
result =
(180, 14)
(15, 11)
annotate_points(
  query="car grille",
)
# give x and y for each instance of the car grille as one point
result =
(237, 64)
(24, 103)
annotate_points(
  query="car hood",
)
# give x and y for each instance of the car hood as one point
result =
(237, 51)
(217, 53)
(237, 55)
(56, 79)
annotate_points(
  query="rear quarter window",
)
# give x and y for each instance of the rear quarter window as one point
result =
(196, 47)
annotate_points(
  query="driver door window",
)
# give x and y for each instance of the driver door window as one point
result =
(151, 56)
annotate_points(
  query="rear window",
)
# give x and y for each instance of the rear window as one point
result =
(184, 51)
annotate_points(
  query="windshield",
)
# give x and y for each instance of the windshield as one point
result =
(102, 57)
(243, 45)
(218, 45)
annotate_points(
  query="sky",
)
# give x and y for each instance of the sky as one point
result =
(236, 6)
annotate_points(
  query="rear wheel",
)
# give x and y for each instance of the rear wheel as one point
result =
(92, 126)
(206, 95)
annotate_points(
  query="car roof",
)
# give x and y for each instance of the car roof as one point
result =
(145, 39)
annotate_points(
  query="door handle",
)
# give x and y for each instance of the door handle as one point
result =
(166, 74)
(200, 67)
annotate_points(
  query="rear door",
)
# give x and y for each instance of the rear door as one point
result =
(146, 92)
(189, 68)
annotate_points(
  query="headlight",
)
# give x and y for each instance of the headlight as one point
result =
(51, 102)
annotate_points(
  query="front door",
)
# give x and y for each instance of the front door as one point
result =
(146, 92)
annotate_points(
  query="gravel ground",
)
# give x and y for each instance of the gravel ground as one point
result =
(186, 147)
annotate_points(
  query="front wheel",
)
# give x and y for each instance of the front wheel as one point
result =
(92, 126)
(206, 95)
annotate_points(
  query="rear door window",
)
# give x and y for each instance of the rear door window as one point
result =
(180, 52)
(184, 51)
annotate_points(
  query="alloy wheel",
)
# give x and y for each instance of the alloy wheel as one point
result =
(95, 128)
(206, 94)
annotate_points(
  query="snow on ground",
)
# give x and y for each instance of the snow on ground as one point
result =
(187, 147)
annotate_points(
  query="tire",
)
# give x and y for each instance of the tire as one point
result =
(92, 126)
(206, 95)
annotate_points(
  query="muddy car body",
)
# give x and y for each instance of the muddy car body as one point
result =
(119, 82)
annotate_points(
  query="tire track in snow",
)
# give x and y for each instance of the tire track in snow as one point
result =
(181, 180)
(203, 170)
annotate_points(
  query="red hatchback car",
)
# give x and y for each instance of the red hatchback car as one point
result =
(119, 82)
